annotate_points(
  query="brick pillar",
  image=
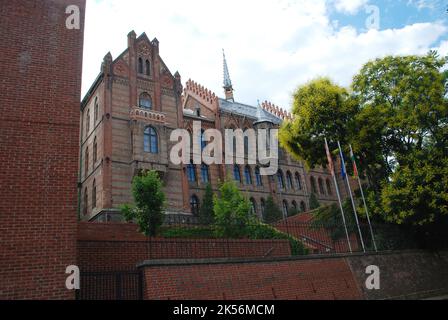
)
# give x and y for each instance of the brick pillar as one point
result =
(40, 76)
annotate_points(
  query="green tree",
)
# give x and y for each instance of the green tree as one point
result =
(232, 211)
(206, 212)
(314, 203)
(149, 201)
(321, 109)
(272, 212)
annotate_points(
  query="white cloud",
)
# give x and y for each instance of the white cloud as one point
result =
(349, 6)
(271, 46)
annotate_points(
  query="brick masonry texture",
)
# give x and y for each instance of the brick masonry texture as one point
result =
(320, 279)
(40, 74)
(119, 247)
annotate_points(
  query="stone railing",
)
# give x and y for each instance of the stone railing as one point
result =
(147, 115)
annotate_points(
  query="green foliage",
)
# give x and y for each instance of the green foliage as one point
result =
(331, 218)
(417, 193)
(396, 118)
(272, 212)
(314, 203)
(263, 231)
(206, 212)
(232, 211)
(188, 232)
(149, 200)
(321, 109)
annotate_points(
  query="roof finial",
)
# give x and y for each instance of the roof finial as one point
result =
(228, 88)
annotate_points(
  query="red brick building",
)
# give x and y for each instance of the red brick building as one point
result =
(126, 121)
(40, 74)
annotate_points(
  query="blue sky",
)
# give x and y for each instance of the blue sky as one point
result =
(272, 46)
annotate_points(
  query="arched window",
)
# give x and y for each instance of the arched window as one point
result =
(295, 207)
(86, 202)
(329, 189)
(280, 180)
(237, 173)
(253, 206)
(95, 112)
(202, 140)
(313, 185)
(298, 181)
(194, 205)
(263, 206)
(302, 206)
(321, 186)
(205, 173)
(191, 172)
(285, 208)
(86, 163)
(87, 122)
(151, 141)
(140, 65)
(258, 177)
(148, 68)
(289, 181)
(248, 175)
(145, 101)
(94, 194)
(95, 151)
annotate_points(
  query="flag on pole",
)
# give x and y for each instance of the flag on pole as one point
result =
(355, 167)
(330, 159)
(343, 172)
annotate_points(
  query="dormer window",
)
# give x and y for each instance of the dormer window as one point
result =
(198, 112)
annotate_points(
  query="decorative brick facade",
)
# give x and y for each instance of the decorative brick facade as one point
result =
(40, 74)
(114, 118)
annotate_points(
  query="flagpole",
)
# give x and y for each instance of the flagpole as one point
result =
(351, 196)
(330, 161)
(365, 204)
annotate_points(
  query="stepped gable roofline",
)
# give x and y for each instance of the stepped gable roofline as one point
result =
(247, 111)
(200, 91)
(276, 110)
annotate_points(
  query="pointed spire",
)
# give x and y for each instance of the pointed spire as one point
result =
(227, 81)
(228, 88)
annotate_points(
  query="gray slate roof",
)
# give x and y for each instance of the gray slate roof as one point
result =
(256, 113)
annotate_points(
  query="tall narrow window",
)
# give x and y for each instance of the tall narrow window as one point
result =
(321, 187)
(329, 189)
(191, 172)
(194, 204)
(95, 152)
(148, 68)
(298, 181)
(263, 206)
(253, 206)
(86, 202)
(95, 111)
(151, 141)
(285, 208)
(205, 173)
(313, 185)
(202, 140)
(88, 122)
(248, 176)
(237, 173)
(94, 195)
(140, 65)
(258, 177)
(145, 101)
(280, 180)
(289, 181)
(86, 163)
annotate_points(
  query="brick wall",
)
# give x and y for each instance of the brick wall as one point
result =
(328, 279)
(119, 247)
(40, 74)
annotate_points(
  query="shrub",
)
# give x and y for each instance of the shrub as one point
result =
(272, 212)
